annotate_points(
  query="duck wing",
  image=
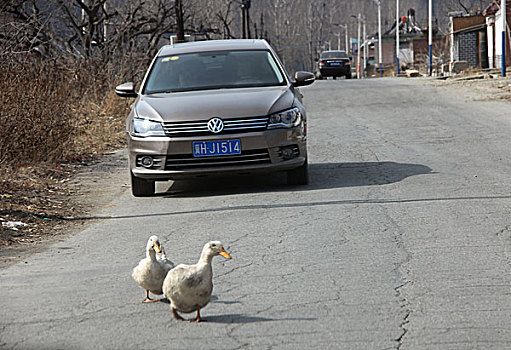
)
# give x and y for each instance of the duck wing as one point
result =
(187, 288)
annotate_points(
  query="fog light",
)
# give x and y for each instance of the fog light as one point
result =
(288, 153)
(146, 161)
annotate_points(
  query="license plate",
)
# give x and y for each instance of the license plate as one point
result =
(335, 64)
(216, 148)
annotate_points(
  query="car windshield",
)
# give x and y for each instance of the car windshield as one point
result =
(334, 54)
(213, 70)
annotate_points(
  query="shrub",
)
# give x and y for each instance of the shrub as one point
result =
(53, 111)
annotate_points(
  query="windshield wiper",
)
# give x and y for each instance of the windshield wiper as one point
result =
(160, 92)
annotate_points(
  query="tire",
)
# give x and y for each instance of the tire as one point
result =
(299, 176)
(141, 187)
(348, 76)
(334, 77)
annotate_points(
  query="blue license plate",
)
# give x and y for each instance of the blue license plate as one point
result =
(335, 64)
(216, 148)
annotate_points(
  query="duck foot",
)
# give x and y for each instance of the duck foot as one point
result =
(176, 315)
(147, 299)
(198, 319)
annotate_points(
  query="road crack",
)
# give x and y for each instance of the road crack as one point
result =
(401, 274)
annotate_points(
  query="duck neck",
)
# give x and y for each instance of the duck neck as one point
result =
(206, 257)
(151, 254)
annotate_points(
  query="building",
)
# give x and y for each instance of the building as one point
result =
(469, 39)
(494, 23)
(413, 42)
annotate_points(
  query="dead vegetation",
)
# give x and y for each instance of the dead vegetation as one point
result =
(55, 117)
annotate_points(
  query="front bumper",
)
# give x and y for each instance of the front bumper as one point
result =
(335, 71)
(173, 157)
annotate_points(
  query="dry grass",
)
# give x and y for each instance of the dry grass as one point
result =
(54, 117)
(53, 112)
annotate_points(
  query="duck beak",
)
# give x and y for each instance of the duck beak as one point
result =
(156, 247)
(225, 254)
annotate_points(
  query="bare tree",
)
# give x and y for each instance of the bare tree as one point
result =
(467, 6)
(213, 19)
(85, 28)
(24, 27)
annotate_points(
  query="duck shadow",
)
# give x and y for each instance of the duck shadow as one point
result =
(321, 176)
(214, 299)
(238, 318)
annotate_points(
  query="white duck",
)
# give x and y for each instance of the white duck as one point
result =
(189, 287)
(151, 271)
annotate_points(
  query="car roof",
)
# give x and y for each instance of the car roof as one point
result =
(214, 45)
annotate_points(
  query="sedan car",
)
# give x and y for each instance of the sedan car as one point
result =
(215, 108)
(334, 64)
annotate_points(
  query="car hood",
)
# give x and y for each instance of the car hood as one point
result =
(226, 103)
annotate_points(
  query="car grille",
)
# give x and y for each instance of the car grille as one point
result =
(200, 128)
(188, 161)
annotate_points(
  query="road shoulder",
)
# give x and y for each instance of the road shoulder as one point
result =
(93, 187)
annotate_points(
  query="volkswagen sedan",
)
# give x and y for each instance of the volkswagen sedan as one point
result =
(214, 108)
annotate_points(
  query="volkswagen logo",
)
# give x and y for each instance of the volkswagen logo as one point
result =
(215, 125)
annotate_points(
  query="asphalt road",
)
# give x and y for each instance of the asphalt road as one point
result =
(402, 240)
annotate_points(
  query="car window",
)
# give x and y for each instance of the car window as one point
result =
(334, 54)
(214, 70)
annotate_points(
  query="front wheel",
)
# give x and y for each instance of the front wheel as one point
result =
(299, 176)
(141, 187)
(348, 76)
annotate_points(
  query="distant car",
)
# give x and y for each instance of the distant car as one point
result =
(216, 107)
(333, 64)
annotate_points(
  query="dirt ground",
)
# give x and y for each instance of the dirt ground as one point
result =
(63, 199)
(59, 209)
(479, 87)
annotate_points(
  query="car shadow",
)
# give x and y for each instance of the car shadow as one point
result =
(321, 176)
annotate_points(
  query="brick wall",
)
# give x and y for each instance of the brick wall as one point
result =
(467, 46)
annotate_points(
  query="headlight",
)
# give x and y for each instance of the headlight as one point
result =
(145, 127)
(285, 119)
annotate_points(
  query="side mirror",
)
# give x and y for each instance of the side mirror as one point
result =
(126, 90)
(303, 78)
(316, 60)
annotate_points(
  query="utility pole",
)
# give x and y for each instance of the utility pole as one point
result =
(504, 30)
(358, 47)
(243, 22)
(245, 19)
(347, 45)
(365, 49)
(397, 35)
(380, 56)
(179, 19)
(430, 36)
(247, 8)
